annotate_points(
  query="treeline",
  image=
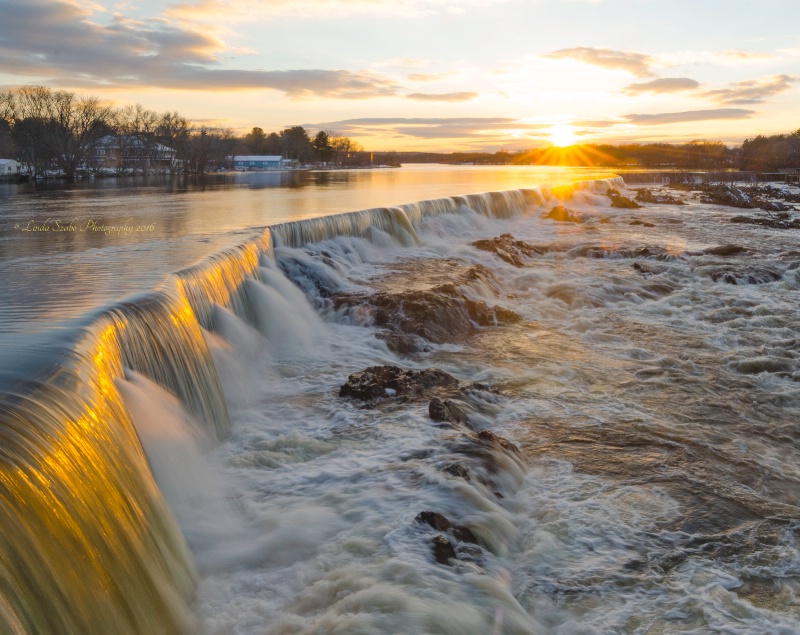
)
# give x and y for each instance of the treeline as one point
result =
(59, 131)
(695, 155)
(56, 131)
(295, 144)
(761, 154)
(771, 153)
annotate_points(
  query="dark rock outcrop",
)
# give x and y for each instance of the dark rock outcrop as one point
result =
(447, 411)
(618, 200)
(508, 248)
(436, 520)
(495, 440)
(776, 222)
(443, 551)
(440, 314)
(726, 195)
(443, 544)
(563, 215)
(651, 252)
(762, 275)
(381, 382)
(643, 270)
(725, 250)
(458, 470)
(645, 195)
(402, 343)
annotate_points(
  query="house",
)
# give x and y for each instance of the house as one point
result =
(132, 151)
(258, 162)
(9, 167)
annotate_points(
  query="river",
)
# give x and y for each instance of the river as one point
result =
(609, 443)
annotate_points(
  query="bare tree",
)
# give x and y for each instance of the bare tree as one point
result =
(76, 124)
(135, 143)
(28, 113)
(344, 149)
(172, 132)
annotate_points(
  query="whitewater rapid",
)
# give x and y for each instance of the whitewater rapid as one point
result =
(655, 408)
(625, 460)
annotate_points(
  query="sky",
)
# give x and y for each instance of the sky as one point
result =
(435, 75)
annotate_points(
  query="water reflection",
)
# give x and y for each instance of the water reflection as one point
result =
(66, 248)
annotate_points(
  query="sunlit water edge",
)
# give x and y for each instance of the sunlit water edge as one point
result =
(652, 503)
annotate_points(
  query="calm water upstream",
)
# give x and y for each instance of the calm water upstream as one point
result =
(68, 248)
(257, 444)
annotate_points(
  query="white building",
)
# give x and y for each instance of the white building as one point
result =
(132, 151)
(258, 162)
(8, 167)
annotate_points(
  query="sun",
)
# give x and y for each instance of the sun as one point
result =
(562, 135)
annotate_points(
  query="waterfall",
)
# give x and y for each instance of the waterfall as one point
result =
(89, 544)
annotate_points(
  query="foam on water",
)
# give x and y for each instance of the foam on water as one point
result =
(654, 402)
(569, 551)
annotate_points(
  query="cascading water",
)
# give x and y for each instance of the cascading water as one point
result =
(608, 448)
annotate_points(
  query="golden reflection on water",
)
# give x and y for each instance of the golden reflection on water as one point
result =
(86, 531)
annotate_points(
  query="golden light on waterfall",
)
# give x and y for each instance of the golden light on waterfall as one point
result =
(562, 135)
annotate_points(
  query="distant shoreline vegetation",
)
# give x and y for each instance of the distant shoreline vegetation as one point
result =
(760, 154)
(59, 133)
(52, 133)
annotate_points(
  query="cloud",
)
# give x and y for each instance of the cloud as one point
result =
(685, 117)
(753, 91)
(462, 96)
(213, 11)
(56, 39)
(597, 123)
(485, 128)
(637, 64)
(429, 77)
(737, 55)
(663, 85)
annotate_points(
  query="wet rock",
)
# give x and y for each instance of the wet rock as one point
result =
(642, 269)
(464, 534)
(598, 251)
(443, 551)
(381, 382)
(780, 222)
(618, 200)
(563, 215)
(642, 223)
(488, 448)
(775, 206)
(495, 440)
(317, 282)
(726, 195)
(401, 343)
(725, 250)
(508, 248)
(436, 520)
(447, 410)
(458, 470)
(763, 365)
(441, 523)
(440, 314)
(746, 276)
(645, 195)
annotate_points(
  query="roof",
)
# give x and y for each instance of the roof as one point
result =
(257, 157)
(6, 161)
(135, 141)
